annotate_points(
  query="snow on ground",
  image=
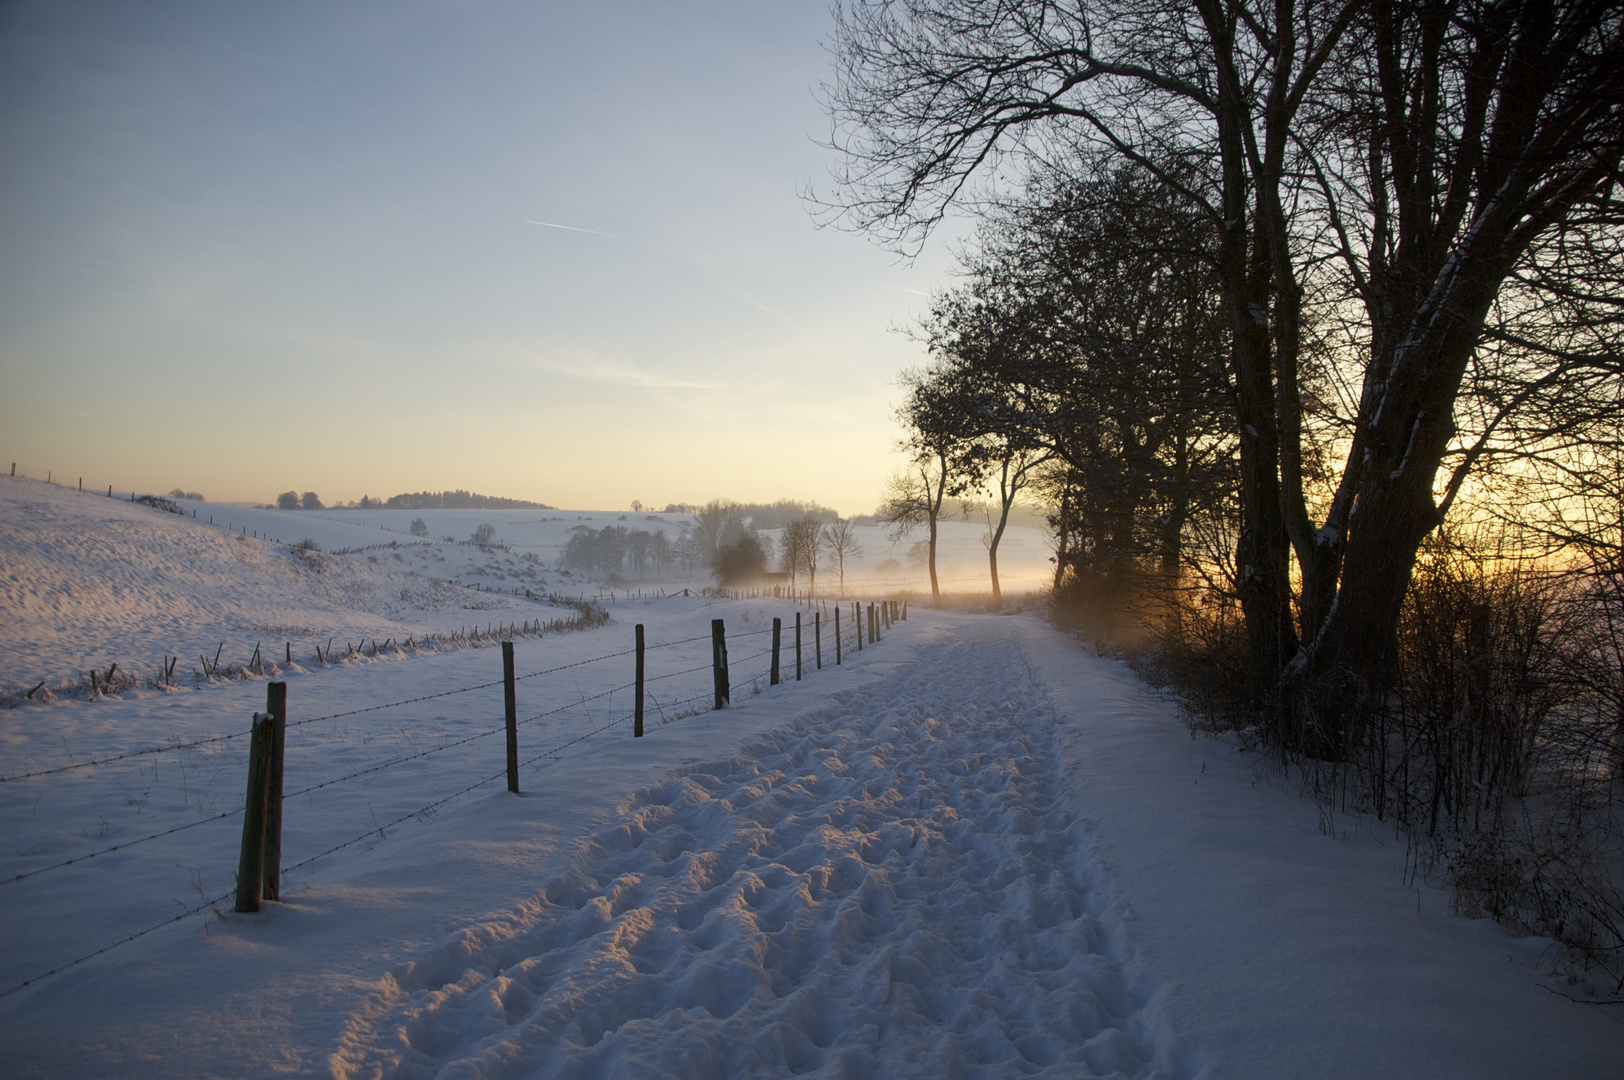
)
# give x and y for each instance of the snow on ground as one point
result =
(893, 884)
(87, 581)
(971, 850)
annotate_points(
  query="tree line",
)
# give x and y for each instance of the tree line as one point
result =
(1306, 318)
(1286, 282)
(422, 500)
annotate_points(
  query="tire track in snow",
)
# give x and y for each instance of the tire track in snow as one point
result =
(893, 885)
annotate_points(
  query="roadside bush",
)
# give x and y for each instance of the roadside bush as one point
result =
(1498, 748)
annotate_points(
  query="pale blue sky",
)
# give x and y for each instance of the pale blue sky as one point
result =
(245, 248)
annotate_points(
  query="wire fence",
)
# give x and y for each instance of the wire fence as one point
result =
(669, 711)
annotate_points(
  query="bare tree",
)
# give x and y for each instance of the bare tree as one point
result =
(840, 541)
(1402, 160)
(940, 444)
(716, 526)
(1012, 468)
(799, 549)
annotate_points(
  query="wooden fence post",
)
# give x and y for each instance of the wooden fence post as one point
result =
(637, 707)
(276, 707)
(817, 638)
(904, 609)
(250, 862)
(837, 635)
(857, 622)
(719, 663)
(797, 646)
(510, 701)
(778, 633)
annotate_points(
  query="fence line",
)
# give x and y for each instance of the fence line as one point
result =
(381, 830)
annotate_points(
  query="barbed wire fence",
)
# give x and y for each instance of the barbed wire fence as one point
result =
(863, 628)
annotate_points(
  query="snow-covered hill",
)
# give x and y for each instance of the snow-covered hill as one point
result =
(88, 581)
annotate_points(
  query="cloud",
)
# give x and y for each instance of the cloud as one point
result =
(620, 373)
(571, 228)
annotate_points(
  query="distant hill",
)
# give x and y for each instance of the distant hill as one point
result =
(459, 500)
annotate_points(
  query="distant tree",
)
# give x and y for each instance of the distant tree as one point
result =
(800, 549)
(741, 561)
(716, 526)
(612, 549)
(310, 501)
(685, 550)
(483, 536)
(1013, 465)
(288, 500)
(840, 541)
(420, 527)
(941, 442)
(192, 495)
(637, 506)
(889, 568)
(639, 548)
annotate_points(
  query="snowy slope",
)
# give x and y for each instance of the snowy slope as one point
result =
(972, 849)
(87, 581)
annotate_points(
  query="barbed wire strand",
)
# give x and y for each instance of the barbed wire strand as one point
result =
(337, 715)
(120, 847)
(392, 704)
(380, 831)
(204, 906)
(339, 779)
(122, 757)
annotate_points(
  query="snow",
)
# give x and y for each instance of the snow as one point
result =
(973, 849)
(88, 581)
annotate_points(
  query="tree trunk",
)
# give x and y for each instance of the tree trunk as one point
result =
(936, 498)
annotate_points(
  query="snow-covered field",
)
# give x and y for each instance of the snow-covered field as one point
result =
(87, 581)
(972, 849)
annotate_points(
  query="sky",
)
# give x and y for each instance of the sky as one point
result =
(315, 246)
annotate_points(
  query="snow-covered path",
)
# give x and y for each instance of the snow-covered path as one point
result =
(974, 850)
(894, 884)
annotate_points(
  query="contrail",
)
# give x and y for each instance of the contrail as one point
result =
(571, 228)
(899, 288)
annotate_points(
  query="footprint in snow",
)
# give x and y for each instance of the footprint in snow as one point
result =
(891, 886)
